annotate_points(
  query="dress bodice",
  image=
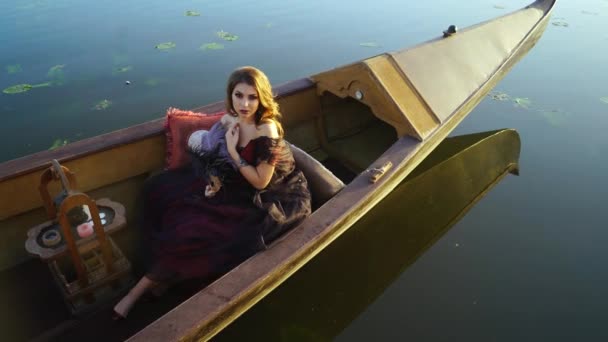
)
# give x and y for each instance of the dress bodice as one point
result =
(275, 152)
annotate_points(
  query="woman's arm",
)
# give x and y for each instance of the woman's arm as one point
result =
(259, 176)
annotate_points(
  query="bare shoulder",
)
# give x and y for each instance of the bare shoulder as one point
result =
(269, 129)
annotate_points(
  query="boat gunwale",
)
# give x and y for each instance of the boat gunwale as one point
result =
(99, 143)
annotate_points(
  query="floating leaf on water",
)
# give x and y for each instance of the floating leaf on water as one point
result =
(22, 88)
(499, 96)
(56, 70)
(13, 69)
(120, 70)
(58, 143)
(227, 36)
(103, 104)
(55, 73)
(211, 46)
(499, 6)
(561, 23)
(555, 117)
(16, 89)
(522, 102)
(165, 46)
(369, 44)
(192, 14)
(604, 99)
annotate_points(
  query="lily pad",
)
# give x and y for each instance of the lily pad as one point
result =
(522, 102)
(211, 46)
(192, 14)
(560, 23)
(499, 96)
(120, 70)
(369, 44)
(102, 105)
(165, 46)
(58, 143)
(16, 89)
(604, 99)
(227, 36)
(56, 74)
(13, 69)
(22, 88)
(55, 70)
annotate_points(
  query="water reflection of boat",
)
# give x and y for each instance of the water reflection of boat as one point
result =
(374, 119)
(323, 297)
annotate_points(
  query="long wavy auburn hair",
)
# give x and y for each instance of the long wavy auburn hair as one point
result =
(268, 109)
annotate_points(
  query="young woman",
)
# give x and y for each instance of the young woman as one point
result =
(188, 235)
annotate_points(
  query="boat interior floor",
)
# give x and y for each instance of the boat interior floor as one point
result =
(36, 312)
(355, 152)
(353, 137)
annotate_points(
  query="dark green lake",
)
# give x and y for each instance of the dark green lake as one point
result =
(525, 263)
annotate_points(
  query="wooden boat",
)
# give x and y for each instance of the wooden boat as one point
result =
(375, 119)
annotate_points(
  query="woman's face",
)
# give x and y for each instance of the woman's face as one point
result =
(245, 100)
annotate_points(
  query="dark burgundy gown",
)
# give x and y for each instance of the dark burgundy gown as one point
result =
(190, 236)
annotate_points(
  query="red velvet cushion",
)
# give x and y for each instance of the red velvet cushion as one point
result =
(179, 124)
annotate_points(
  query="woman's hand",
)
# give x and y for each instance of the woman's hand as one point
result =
(232, 139)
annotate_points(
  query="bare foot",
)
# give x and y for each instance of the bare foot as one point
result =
(121, 310)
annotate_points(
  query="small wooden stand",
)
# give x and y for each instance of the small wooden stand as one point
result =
(102, 271)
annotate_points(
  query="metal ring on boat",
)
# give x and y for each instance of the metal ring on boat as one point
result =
(51, 238)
